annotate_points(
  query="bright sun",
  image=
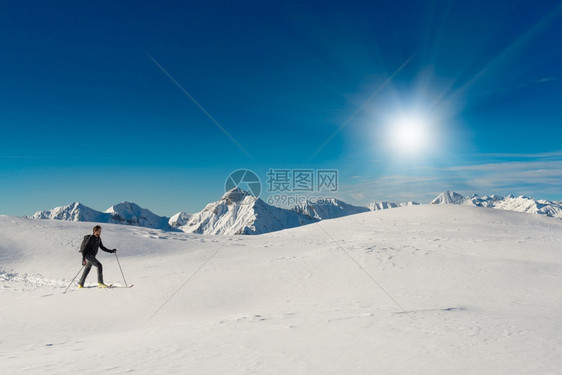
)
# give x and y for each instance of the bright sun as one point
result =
(409, 134)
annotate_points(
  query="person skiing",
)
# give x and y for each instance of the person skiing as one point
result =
(89, 250)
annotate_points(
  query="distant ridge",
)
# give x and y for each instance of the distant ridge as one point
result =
(509, 203)
(238, 212)
(123, 213)
(377, 206)
(73, 212)
(328, 209)
(448, 197)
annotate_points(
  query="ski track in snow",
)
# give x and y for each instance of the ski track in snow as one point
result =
(11, 280)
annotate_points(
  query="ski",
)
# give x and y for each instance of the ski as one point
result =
(125, 287)
(110, 286)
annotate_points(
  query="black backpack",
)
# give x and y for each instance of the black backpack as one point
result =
(85, 242)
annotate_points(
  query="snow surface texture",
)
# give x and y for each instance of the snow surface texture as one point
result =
(479, 291)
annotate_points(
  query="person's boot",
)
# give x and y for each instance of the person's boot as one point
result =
(102, 285)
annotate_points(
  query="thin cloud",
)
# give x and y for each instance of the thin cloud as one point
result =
(551, 154)
(536, 178)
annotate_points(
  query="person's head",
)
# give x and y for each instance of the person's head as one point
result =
(97, 230)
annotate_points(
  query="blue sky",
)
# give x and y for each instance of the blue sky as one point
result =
(102, 102)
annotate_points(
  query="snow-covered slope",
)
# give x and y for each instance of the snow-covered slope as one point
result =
(328, 209)
(73, 212)
(474, 291)
(132, 214)
(238, 212)
(509, 203)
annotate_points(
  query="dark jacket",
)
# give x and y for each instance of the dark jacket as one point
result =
(91, 247)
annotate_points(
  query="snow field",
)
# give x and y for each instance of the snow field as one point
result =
(479, 289)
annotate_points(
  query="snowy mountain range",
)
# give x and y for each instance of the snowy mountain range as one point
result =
(238, 212)
(333, 208)
(123, 213)
(131, 214)
(448, 197)
(180, 219)
(328, 209)
(509, 203)
(377, 206)
(73, 212)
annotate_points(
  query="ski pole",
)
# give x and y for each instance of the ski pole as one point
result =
(74, 279)
(116, 257)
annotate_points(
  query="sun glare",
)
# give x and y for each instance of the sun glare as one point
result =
(409, 134)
